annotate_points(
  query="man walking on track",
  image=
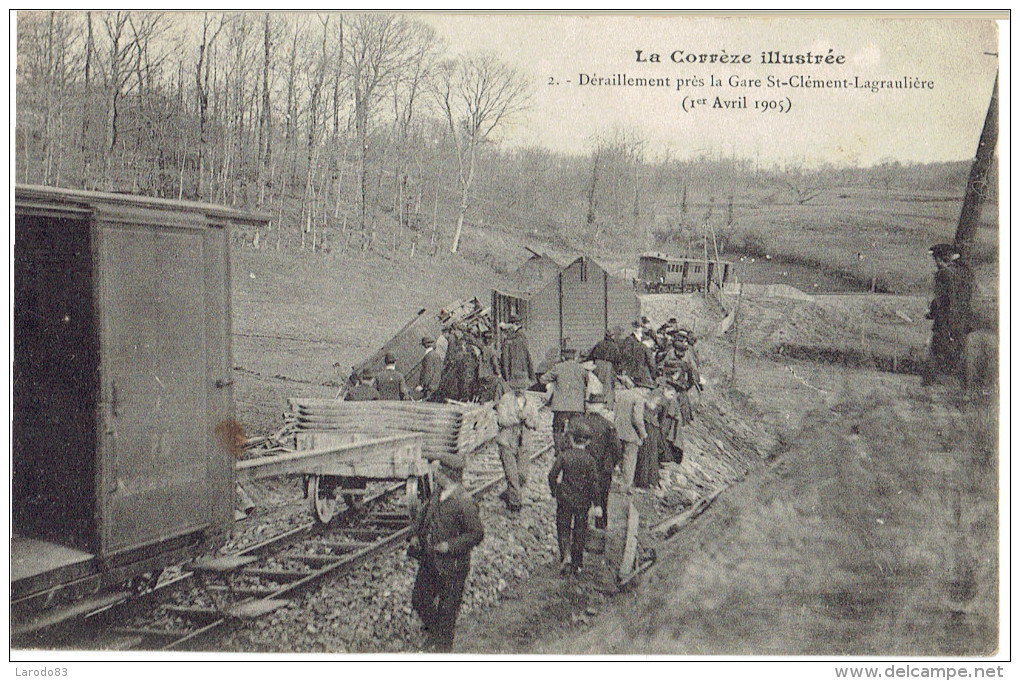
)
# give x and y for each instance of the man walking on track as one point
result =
(443, 534)
(514, 413)
(573, 481)
(630, 426)
(570, 385)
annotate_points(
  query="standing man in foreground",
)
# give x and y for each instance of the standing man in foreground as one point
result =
(574, 482)
(443, 535)
(949, 312)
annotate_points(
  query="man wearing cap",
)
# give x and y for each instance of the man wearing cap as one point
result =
(949, 312)
(574, 482)
(363, 390)
(570, 385)
(390, 383)
(431, 370)
(443, 533)
(606, 355)
(515, 358)
(514, 413)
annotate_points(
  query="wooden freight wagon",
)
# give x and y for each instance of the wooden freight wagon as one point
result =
(573, 309)
(121, 378)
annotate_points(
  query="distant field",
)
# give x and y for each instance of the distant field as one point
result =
(891, 232)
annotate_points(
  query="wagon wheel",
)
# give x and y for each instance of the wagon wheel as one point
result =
(322, 496)
(417, 491)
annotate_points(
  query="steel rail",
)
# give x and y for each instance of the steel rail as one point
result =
(341, 565)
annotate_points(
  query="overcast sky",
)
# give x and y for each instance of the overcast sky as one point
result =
(839, 126)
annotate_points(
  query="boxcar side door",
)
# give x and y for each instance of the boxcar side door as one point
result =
(153, 349)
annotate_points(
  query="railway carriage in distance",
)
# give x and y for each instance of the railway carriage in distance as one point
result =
(659, 273)
(121, 392)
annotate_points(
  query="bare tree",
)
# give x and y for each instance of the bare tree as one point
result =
(407, 87)
(477, 94)
(210, 30)
(118, 72)
(379, 47)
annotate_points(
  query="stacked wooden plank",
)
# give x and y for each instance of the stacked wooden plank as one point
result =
(456, 429)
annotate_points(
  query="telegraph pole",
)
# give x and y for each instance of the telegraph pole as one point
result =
(977, 184)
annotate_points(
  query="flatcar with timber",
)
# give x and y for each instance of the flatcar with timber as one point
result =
(658, 273)
(123, 408)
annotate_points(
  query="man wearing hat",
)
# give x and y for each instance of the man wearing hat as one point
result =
(363, 390)
(570, 386)
(949, 312)
(573, 480)
(514, 413)
(443, 533)
(390, 383)
(636, 360)
(431, 370)
(515, 358)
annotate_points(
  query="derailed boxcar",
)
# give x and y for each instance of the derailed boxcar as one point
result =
(122, 390)
(572, 308)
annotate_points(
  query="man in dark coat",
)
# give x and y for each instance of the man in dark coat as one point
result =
(949, 312)
(515, 358)
(453, 368)
(606, 355)
(443, 534)
(570, 386)
(390, 383)
(636, 360)
(606, 451)
(574, 482)
(490, 386)
(363, 390)
(431, 370)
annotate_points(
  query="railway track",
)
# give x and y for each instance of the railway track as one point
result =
(214, 594)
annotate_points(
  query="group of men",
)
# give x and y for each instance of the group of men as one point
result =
(624, 407)
(460, 365)
(601, 410)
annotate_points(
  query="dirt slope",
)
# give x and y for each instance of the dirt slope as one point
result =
(876, 533)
